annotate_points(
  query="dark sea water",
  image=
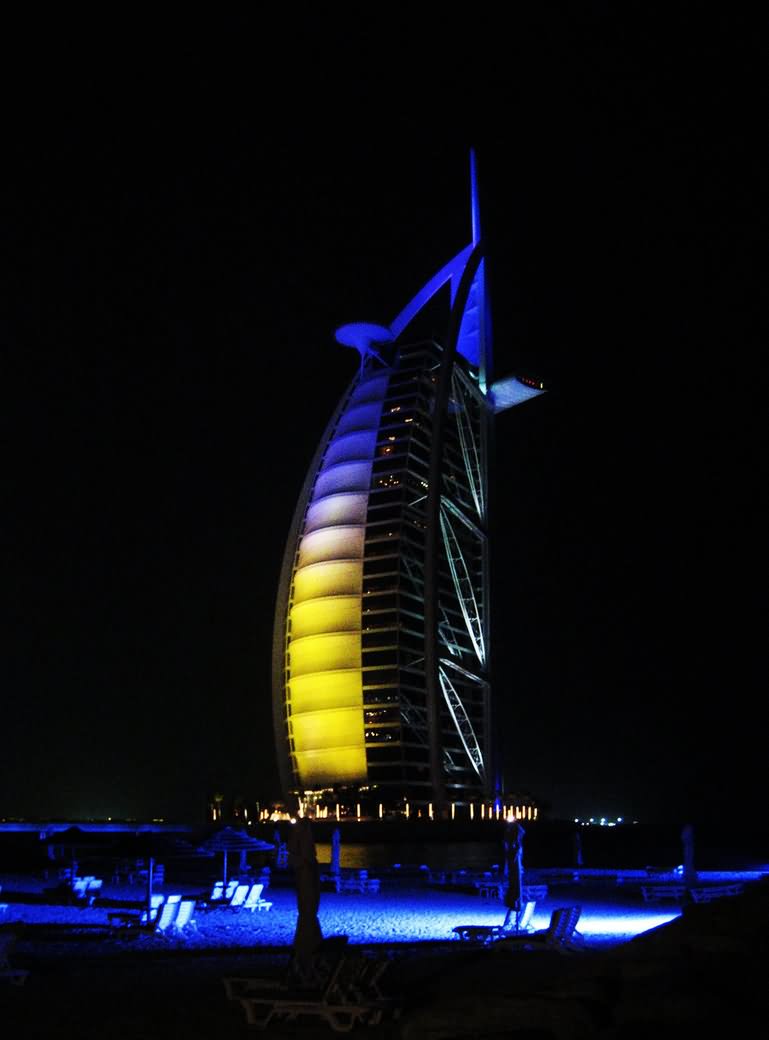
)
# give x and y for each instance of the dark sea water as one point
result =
(629, 847)
(465, 855)
(547, 845)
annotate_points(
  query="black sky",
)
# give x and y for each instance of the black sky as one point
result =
(189, 210)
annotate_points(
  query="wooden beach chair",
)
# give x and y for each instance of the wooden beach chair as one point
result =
(483, 934)
(329, 953)
(254, 901)
(560, 935)
(93, 890)
(238, 897)
(167, 915)
(710, 892)
(184, 919)
(343, 1000)
(79, 888)
(663, 893)
(149, 917)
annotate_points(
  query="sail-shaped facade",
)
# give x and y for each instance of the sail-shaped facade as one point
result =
(381, 658)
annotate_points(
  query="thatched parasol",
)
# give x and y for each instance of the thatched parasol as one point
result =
(228, 839)
(73, 841)
(152, 846)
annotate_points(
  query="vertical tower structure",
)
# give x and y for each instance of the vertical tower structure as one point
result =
(381, 662)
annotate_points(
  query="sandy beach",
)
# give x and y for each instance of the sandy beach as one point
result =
(640, 966)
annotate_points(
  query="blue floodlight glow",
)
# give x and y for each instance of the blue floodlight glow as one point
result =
(474, 339)
(452, 273)
(475, 205)
(363, 335)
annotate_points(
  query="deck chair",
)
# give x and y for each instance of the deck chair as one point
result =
(167, 914)
(358, 983)
(334, 1001)
(327, 957)
(254, 901)
(93, 889)
(184, 919)
(238, 897)
(155, 904)
(16, 976)
(483, 934)
(560, 934)
(217, 892)
(231, 887)
(79, 888)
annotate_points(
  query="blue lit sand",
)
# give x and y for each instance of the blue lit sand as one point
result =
(399, 913)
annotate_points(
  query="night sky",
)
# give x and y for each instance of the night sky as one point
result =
(189, 211)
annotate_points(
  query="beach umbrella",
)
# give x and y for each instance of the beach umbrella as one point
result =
(304, 861)
(151, 846)
(228, 839)
(513, 846)
(73, 841)
(336, 849)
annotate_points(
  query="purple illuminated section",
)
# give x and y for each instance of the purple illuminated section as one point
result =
(451, 273)
(475, 205)
(363, 336)
(343, 476)
(470, 332)
(357, 444)
(474, 340)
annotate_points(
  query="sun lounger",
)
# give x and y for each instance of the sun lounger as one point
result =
(254, 901)
(346, 992)
(560, 935)
(231, 889)
(78, 888)
(184, 919)
(167, 915)
(352, 881)
(488, 889)
(93, 890)
(124, 922)
(711, 892)
(329, 953)
(483, 934)
(150, 917)
(238, 897)
(663, 893)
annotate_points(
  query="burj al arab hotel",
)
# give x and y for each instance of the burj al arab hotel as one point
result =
(381, 659)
